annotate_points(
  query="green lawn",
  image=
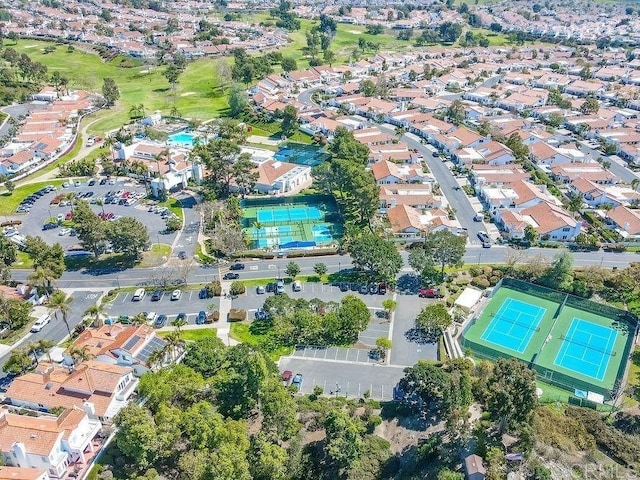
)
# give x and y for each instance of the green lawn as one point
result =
(241, 331)
(174, 205)
(194, 335)
(23, 261)
(9, 203)
(155, 257)
(193, 96)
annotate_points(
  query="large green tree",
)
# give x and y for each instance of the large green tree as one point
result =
(511, 393)
(128, 235)
(92, 231)
(289, 124)
(110, 91)
(137, 438)
(425, 379)
(238, 100)
(434, 317)
(441, 248)
(344, 441)
(375, 254)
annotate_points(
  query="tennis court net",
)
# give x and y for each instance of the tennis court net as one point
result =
(587, 345)
(505, 319)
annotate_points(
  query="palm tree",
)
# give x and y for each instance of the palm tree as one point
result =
(79, 354)
(139, 319)
(60, 302)
(175, 344)
(40, 346)
(96, 312)
(157, 358)
(42, 279)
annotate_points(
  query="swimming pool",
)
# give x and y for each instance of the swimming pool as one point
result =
(182, 139)
(308, 155)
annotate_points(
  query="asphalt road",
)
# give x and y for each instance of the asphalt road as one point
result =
(457, 199)
(20, 109)
(56, 330)
(188, 239)
(275, 267)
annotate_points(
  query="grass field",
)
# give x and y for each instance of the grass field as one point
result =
(193, 96)
(155, 257)
(194, 335)
(246, 332)
(9, 203)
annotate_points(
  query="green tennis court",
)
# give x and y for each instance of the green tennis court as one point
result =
(570, 342)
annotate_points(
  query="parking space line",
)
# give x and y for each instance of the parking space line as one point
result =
(190, 295)
(125, 297)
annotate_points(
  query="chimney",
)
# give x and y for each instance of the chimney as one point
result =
(46, 375)
(90, 408)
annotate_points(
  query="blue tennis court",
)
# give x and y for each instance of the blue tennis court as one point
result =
(514, 324)
(587, 348)
(288, 214)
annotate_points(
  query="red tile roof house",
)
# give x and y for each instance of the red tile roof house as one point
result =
(100, 388)
(48, 442)
(19, 473)
(626, 221)
(549, 221)
(386, 172)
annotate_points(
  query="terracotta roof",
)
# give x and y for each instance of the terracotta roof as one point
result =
(271, 170)
(626, 218)
(56, 386)
(38, 434)
(549, 217)
(100, 341)
(20, 473)
(403, 217)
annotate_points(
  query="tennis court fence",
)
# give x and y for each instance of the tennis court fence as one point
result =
(570, 300)
(549, 376)
(314, 200)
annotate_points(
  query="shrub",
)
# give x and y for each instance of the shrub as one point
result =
(475, 271)
(487, 269)
(214, 288)
(480, 282)
(237, 315)
(237, 288)
(493, 280)
(463, 282)
(373, 422)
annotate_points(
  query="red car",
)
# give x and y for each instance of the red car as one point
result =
(68, 216)
(430, 293)
(286, 376)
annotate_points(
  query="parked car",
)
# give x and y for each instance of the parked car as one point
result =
(286, 376)
(271, 287)
(261, 314)
(91, 182)
(182, 255)
(176, 294)
(230, 276)
(64, 231)
(344, 287)
(204, 293)
(103, 181)
(181, 316)
(49, 226)
(279, 287)
(41, 323)
(430, 293)
(260, 289)
(483, 236)
(373, 288)
(478, 218)
(364, 289)
(296, 286)
(486, 244)
(382, 288)
(237, 266)
(201, 318)
(156, 295)
(297, 381)
(161, 321)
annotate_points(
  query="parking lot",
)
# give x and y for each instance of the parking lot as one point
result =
(189, 303)
(345, 378)
(42, 210)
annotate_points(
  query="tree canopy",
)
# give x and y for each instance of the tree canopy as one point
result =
(375, 254)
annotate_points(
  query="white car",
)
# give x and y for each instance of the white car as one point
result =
(40, 323)
(176, 295)
(64, 231)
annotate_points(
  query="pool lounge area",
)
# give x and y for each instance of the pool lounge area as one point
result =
(183, 139)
